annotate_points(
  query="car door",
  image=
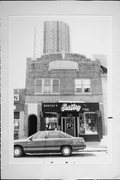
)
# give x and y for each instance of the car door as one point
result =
(53, 141)
(36, 143)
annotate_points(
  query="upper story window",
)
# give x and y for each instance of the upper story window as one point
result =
(82, 86)
(38, 85)
(47, 85)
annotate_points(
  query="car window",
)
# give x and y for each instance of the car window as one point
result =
(39, 135)
(65, 135)
(54, 135)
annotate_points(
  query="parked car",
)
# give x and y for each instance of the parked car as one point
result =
(48, 141)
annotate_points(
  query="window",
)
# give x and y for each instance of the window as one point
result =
(86, 85)
(47, 85)
(55, 85)
(16, 115)
(89, 124)
(78, 85)
(38, 86)
(82, 85)
(51, 121)
(65, 135)
(54, 135)
(39, 135)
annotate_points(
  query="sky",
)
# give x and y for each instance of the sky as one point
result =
(89, 35)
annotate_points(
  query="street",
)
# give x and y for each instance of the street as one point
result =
(81, 157)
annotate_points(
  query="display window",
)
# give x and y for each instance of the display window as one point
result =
(51, 121)
(16, 128)
(88, 125)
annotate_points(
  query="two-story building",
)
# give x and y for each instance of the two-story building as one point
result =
(64, 92)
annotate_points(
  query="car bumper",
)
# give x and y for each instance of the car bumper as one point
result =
(75, 148)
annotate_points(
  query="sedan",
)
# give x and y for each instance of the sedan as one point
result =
(47, 142)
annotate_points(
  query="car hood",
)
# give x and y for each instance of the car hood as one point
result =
(78, 138)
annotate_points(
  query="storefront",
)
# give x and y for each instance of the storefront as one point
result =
(76, 119)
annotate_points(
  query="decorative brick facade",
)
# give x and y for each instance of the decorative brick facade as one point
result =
(39, 68)
(87, 69)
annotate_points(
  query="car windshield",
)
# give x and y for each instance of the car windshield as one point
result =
(65, 135)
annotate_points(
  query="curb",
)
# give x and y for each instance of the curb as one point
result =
(96, 150)
(99, 149)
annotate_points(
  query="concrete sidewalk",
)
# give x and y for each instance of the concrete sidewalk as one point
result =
(95, 146)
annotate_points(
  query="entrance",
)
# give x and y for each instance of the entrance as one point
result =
(68, 125)
(32, 124)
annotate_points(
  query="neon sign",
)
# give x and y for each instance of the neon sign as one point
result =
(71, 107)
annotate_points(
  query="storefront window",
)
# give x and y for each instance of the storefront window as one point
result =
(89, 124)
(51, 121)
(16, 128)
(16, 125)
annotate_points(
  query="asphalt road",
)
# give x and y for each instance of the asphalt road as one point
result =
(76, 157)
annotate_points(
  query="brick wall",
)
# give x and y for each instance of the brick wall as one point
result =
(87, 69)
(20, 104)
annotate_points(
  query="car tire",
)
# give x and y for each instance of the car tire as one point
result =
(66, 150)
(18, 151)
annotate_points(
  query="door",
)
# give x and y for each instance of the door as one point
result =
(68, 125)
(32, 124)
(36, 142)
(53, 141)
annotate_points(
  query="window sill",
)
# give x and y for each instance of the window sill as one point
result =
(83, 93)
(46, 93)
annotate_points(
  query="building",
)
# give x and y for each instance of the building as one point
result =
(19, 102)
(64, 91)
(103, 68)
(56, 37)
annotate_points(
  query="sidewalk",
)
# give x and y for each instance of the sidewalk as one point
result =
(95, 147)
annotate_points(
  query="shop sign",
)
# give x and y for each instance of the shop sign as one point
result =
(50, 105)
(71, 107)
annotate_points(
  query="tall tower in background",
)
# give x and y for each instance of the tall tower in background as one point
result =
(56, 37)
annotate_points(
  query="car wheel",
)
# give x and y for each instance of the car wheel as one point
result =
(66, 150)
(18, 151)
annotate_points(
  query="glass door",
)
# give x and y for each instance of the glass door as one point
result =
(68, 125)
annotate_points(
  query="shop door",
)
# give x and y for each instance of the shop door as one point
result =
(32, 124)
(68, 125)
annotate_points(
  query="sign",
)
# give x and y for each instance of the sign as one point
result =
(71, 107)
(16, 97)
(75, 107)
(50, 107)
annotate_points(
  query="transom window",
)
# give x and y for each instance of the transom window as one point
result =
(47, 85)
(82, 86)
